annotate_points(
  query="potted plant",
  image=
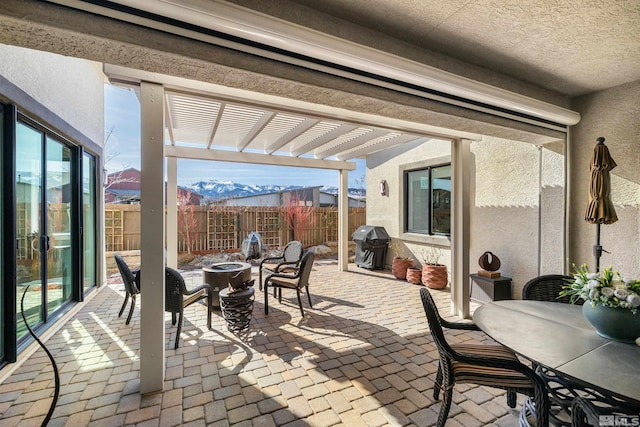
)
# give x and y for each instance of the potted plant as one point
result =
(612, 302)
(434, 274)
(414, 275)
(400, 264)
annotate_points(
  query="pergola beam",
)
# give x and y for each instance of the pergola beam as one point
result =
(321, 140)
(256, 158)
(257, 128)
(366, 149)
(301, 128)
(350, 144)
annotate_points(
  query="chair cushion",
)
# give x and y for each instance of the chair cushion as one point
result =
(492, 377)
(496, 351)
(284, 282)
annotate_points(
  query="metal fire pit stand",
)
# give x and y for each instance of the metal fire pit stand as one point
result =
(237, 308)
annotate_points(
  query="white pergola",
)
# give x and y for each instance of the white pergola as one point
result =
(183, 118)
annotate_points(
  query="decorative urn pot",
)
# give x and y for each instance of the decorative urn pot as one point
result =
(399, 267)
(414, 275)
(613, 323)
(435, 276)
(611, 302)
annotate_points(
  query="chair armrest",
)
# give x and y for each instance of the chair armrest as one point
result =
(271, 259)
(467, 326)
(286, 265)
(198, 289)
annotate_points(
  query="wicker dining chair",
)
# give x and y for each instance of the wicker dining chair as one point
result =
(548, 288)
(177, 297)
(130, 286)
(488, 365)
(466, 348)
(287, 262)
(297, 281)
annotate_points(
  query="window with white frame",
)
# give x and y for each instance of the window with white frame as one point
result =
(428, 200)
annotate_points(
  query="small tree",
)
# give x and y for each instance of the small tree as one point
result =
(187, 220)
(116, 177)
(297, 215)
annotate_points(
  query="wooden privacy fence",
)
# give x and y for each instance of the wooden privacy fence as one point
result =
(219, 228)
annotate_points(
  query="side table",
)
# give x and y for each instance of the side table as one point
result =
(486, 289)
(237, 308)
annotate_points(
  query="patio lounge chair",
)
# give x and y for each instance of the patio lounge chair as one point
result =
(547, 288)
(296, 281)
(488, 365)
(288, 261)
(177, 297)
(130, 286)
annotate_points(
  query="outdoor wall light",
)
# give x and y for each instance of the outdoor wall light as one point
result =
(384, 188)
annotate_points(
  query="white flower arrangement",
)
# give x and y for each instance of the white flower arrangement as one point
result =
(607, 288)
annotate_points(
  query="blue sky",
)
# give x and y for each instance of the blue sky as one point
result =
(122, 115)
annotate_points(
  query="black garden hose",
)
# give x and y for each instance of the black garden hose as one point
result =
(53, 362)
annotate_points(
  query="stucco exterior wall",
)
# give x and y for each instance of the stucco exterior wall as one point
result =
(615, 115)
(518, 208)
(72, 88)
(517, 192)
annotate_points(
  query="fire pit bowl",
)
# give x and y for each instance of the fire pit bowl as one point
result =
(218, 275)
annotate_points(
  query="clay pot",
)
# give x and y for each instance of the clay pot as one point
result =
(399, 267)
(414, 275)
(435, 276)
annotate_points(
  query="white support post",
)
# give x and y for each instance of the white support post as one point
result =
(343, 220)
(152, 343)
(172, 212)
(461, 167)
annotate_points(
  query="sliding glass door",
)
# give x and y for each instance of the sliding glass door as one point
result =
(3, 310)
(29, 204)
(58, 207)
(48, 227)
(89, 200)
(44, 212)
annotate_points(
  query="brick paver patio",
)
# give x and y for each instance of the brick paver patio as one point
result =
(362, 356)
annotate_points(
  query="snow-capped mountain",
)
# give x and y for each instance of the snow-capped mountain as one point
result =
(215, 189)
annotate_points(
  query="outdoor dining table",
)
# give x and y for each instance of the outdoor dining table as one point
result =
(557, 338)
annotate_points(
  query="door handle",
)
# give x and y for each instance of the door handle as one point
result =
(45, 242)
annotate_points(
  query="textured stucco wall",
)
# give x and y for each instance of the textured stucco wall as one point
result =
(72, 88)
(510, 192)
(615, 115)
(518, 208)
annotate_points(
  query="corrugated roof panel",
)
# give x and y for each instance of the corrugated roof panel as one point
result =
(191, 117)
